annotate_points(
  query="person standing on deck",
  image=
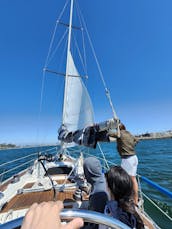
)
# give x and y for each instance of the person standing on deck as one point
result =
(126, 143)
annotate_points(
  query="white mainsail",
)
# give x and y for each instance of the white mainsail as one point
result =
(78, 110)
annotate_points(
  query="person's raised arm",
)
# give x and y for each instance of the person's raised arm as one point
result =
(47, 216)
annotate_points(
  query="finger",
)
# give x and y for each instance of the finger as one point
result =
(31, 210)
(74, 224)
(50, 203)
(59, 206)
(33, 206)
(45, 205)
(27, 220)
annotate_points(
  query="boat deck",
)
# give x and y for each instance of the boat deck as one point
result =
(22, 201)
(25, 200)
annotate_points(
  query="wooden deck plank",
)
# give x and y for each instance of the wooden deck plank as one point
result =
(25, 200)
(28, 185)
(62, 181)
(22, 201)
(4, 185)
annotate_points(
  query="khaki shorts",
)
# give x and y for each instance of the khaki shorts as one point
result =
(130, 165)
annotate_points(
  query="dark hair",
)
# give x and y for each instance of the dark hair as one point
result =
(121, 187)
(122, 126)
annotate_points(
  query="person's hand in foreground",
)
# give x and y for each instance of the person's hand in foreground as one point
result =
(47, 216)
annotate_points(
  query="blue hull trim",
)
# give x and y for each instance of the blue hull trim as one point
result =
(158, 187)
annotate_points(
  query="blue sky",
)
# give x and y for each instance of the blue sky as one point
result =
(133, 43)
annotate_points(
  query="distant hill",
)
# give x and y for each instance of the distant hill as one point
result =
(7, 146)
(163, 134)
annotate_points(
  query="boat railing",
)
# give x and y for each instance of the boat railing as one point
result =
(105, 162)
(53, 149)
(162, 190)
(156, 206)
(156, 186)
(22, 164)
(87, 216)
(14, 168)
(18, 159)
(143, 178)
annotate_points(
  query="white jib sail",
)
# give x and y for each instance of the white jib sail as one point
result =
(78, 111)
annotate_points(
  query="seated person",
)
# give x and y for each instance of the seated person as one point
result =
(122, 205)
(98, 196)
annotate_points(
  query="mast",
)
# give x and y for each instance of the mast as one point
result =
(67, 60)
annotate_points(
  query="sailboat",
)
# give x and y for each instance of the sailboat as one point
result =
(57, 173)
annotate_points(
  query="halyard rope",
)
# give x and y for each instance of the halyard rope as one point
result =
(98, 66)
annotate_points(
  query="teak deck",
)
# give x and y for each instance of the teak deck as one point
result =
(25, 200)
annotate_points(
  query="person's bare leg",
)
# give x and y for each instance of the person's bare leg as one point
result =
(135, 187)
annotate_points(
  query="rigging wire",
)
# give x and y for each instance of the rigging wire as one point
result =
(84, 51)
(67, 177)
(60, 65)
(140, 191)
(83, 43)
(98, 66)
(79, 52)
(17, 167)
(83, 40)
(103, 156)
(18, 159)
(46, 62)
(55, 50)
(46, 173)
(152, 202)
(62, 56)
(61, 14)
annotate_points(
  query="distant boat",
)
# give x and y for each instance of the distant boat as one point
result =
(57, 173)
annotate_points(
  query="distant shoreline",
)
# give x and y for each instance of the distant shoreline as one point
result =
(154, 136)
(146, 138)
(157, 135)
(26, 146)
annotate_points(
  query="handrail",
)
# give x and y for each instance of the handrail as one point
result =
(148, 181)
(49, 149)
(157, 186)
(153, 203)
(16, 167)
(18, 159)
(21, 158)
(87, 216)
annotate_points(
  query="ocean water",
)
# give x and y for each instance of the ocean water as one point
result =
(155, 163)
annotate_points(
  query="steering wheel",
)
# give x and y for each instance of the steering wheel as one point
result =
(87, 216)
